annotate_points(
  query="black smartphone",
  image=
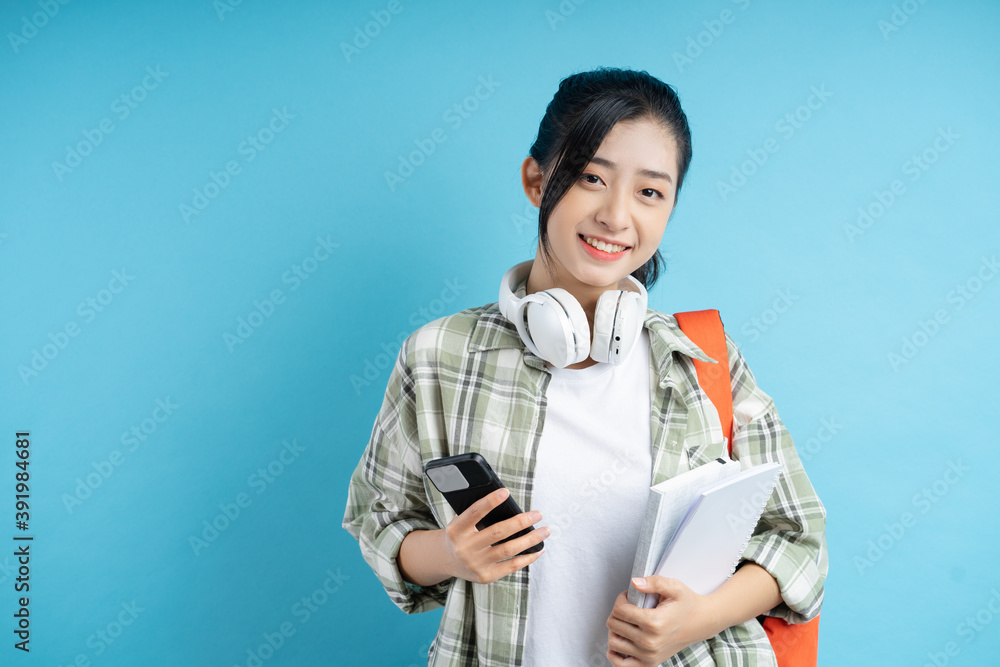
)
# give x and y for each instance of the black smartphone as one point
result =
(465, 478)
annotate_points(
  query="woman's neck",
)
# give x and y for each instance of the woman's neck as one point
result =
(541, 278)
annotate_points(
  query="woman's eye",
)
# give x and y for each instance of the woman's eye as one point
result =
(656, 193)
(586, 177)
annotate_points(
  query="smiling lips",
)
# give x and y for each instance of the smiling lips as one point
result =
(601, 249)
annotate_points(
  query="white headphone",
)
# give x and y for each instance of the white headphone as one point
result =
(560, 333)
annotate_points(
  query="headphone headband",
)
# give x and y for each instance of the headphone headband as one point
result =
(518, 272)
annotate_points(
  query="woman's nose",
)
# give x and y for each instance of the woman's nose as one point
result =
(614, 213)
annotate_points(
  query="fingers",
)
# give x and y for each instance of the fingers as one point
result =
(620, 620)
(485, 567)
(664, 586)
(624, 630)
(670, 590)
(493, 535)
(622, 651)
(624, 610)
(479, 509)
(635, 620)
(628, 613)
(517, 562)
(483, 556)
(511, 548)
(616, 659)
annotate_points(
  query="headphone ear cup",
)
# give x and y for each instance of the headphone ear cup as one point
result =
(557, 327)
(618, 322)
(633, 317)
(604, 325)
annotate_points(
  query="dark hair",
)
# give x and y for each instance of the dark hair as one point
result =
(582, 112)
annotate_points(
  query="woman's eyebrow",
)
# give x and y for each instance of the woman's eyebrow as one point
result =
(649, 173)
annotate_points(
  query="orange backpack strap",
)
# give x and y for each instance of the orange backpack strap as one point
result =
(795, 645)
(704, 328)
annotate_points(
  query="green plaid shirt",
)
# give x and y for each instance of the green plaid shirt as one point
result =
(467, 382)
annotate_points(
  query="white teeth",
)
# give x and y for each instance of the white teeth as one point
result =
(601, 245)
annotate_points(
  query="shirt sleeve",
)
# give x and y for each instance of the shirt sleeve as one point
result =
(790, 539)
(386, 496)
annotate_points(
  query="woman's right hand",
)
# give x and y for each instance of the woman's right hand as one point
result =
(471, 553)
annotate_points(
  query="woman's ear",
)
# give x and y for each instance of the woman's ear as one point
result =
(531, 179)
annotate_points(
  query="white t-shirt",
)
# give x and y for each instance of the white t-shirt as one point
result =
(591, 483)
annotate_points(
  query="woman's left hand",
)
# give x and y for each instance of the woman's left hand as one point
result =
(640, 637)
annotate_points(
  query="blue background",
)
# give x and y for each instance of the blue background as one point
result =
(817, 305)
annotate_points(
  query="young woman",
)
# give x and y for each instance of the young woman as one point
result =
(579, 414)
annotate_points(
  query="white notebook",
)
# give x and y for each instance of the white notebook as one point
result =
(698, 524)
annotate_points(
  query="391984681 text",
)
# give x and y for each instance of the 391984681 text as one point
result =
(22, 540)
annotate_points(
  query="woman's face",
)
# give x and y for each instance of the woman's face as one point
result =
(623, 198)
